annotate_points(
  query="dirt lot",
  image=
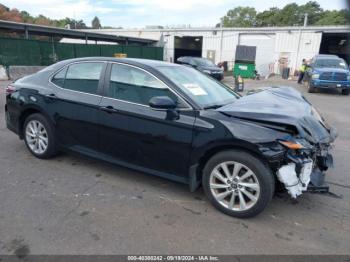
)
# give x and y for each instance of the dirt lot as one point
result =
(76, 205)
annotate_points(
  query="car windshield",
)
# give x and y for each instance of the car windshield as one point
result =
(203, 62)
(333, 63)
(205, 91)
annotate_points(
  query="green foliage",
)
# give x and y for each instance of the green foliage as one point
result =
(239, 17)
(314, 11)
(24, 17)
(334, 18)
(290, 15)
(269, 17)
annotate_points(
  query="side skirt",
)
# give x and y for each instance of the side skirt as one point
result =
(107, 158)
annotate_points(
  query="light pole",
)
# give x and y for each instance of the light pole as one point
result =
(299, 40)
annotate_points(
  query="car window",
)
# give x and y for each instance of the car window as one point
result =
(83, 77)
(134, 85)
(58, 79)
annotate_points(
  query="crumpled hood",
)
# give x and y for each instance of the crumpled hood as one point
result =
(281, 106)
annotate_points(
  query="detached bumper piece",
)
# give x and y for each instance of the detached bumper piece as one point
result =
(305, 174)
(295, 183)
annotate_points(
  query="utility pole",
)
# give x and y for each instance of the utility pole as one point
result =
(299, 40)
(305, 19)
(221, 41)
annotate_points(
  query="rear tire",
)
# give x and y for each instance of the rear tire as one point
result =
(39, 136)
(345, 92)
(310, 87)
(246, 192)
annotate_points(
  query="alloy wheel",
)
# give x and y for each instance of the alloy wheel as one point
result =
(36, 137)
(234, 186)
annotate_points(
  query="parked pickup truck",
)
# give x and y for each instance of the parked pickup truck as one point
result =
(328, 71)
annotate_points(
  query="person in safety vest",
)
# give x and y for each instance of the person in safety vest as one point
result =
(302, 71)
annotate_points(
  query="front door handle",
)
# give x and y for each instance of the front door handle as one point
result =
(51, 96)
(108, 109)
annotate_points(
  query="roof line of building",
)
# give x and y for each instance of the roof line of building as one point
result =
(69, 33)
(345, 28)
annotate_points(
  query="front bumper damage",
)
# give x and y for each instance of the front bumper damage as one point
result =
(305, 171)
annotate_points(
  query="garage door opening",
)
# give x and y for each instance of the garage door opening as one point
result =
(188, 46)
(336, 44)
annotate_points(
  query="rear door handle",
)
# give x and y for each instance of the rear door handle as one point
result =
(108, 109)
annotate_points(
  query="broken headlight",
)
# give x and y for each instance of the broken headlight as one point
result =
(295, 144)
(291, 144)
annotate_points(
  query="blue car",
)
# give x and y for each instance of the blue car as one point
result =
(328, 71)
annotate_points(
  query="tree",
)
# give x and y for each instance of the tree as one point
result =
(72, 23)
(314, 11)
(334, 17)
(95, 23)
(290, 15)
(42, 20)
(27, 18)
(268, 18)
(239, 17)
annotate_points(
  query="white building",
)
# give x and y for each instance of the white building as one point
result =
(276, 46)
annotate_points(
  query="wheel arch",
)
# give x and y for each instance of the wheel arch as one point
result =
(26, 112)
(195, 174)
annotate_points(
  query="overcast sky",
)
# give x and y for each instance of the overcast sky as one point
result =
(139, 13)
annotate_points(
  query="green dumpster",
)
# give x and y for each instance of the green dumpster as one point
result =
(245, 70)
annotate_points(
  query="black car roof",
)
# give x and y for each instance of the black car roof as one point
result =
(193, 57)
(132, 61)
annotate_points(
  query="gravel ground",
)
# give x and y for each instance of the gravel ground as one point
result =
(76, 205)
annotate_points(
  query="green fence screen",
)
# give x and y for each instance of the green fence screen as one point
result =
(15, 51)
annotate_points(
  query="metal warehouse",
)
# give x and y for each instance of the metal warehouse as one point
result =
(276, 47)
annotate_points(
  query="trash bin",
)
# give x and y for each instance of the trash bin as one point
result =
(285, 72)
(239, 84)
(224, 64)
(245, 70)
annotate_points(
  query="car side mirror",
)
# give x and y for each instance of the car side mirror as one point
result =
(162, 102)
(165, 103)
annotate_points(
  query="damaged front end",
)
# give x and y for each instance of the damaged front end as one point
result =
(303, 168)
(289, 132)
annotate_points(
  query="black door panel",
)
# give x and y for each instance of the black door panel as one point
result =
(76, 119)
(133, 132)
(143, 136)
(77, 102)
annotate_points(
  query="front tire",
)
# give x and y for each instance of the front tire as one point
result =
(310, 87)
(345, 92)
(237, 183)
(39, 137)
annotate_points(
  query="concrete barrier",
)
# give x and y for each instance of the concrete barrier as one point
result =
(3, 73)
(16, 72)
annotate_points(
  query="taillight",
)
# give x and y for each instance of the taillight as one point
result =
(10, 89)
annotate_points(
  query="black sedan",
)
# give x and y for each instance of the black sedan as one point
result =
(175, 122)
(202, 64)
